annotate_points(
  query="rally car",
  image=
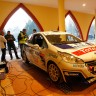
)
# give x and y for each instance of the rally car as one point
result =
(61, 55)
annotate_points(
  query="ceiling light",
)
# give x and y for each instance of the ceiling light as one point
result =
(83, 4)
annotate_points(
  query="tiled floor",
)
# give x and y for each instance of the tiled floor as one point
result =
(28, 80)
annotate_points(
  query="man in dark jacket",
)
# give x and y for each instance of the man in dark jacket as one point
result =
(10, 43)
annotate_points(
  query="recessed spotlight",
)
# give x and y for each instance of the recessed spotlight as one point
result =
(83, 4)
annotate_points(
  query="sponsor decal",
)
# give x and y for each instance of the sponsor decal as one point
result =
(84, 51)
(78, 65)
(94, 68)
(42, 56)
(35, 59)
(94, 52)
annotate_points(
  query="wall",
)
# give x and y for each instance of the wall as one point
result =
(84, 21)
(5, 9)
(47, 17)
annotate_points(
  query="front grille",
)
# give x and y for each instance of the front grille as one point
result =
(91, 63)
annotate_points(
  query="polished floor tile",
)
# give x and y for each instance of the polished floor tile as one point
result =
(28, 80)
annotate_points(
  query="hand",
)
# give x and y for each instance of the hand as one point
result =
(10, 39)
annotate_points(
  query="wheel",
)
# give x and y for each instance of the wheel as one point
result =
(25, 57)
(54, 73)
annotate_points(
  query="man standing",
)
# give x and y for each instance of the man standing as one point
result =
(10, 43)
(34, 31)
(3, 46)
(22, 38)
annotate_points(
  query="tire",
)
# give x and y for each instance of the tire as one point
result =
(25, 57)
(54, 73)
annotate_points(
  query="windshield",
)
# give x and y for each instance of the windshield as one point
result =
(62, 39)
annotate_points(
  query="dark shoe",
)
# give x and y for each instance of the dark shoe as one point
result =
(11, 58)
(18, 58)
(5, 61)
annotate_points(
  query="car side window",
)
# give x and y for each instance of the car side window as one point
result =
(71, 38)
(38, 39)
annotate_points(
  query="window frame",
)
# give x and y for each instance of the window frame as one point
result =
(75, 22)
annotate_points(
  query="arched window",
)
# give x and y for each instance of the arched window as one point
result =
(18, 16)
(91, 35)
(19, 20)
(72, 26)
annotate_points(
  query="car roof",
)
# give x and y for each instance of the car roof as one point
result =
(52, 32)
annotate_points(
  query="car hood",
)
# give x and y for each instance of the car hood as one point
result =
(83, 50)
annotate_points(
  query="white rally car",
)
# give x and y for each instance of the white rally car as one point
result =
(62, 55)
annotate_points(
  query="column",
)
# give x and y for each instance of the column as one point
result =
(61, 14)
(95, 26)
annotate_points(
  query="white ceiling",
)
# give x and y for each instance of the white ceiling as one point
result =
(75, 5)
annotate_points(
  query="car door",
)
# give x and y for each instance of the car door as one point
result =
(38, 51)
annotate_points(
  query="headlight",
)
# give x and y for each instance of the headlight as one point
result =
(70, 58)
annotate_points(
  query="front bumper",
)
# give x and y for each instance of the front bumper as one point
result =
(91, 80)
(86, 71)
(78, 75)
